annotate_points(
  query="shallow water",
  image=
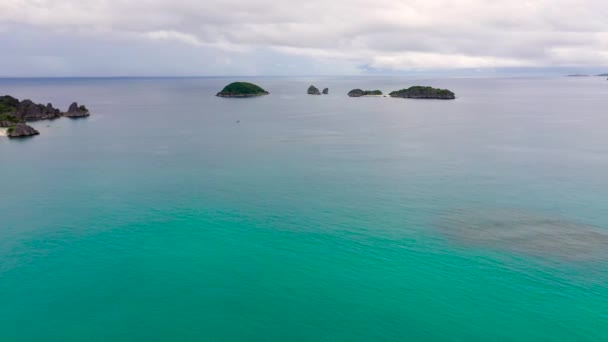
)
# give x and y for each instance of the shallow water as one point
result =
(171, 214)
(522, 231)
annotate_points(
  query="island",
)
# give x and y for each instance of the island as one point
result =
(75, 111)
(21, 130)
(242, 89)
(312, 90)
(14, 114)
(325, 91)
(420, 92)
(602, 75)
(360, 93)
(577, 75)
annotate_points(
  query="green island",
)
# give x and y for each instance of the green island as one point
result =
(242, 89)
(361, 92)
(421, 92)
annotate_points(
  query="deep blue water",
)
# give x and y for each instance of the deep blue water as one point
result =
(171, 214)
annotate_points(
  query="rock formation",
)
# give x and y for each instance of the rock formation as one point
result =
(30, 111)
(325, 91)
(76, 111)
(21, 130)
(14, 114)
(312, 90)
(418, 92)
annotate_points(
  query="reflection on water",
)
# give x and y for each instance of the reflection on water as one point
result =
(524, 231)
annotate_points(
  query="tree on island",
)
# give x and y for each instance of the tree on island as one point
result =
(420, 92)
(242, 89)
(361, 92)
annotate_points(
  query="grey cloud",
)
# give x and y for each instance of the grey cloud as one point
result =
(387, 34)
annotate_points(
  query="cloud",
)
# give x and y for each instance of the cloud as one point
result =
(385, 34)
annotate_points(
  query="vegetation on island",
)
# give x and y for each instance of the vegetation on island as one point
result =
(361, 92)
(242, 89)
(8, 118)
(8, 104)
(10, 130)
(421, 92)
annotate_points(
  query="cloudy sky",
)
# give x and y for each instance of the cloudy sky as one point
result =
(321, 37)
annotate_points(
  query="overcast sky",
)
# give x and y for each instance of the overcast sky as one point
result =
(273, 37)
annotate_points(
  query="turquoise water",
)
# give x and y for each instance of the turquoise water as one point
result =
(312, 218)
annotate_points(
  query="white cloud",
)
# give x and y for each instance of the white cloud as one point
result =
(387, 34)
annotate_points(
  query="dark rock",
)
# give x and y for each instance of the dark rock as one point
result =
(312, 90)
(326, 91)
(21, 130)
(355, 93)
(76, 111)
(418, 92)
(29, 111)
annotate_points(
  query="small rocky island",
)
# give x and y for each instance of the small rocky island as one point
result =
(242, 89)
(419, 92)
(21, 130)
(312, 90)
(14, 114)
(76, 111)
(361, 92)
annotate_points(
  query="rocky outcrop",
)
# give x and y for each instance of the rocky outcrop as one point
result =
(355, 93)
(14, 114)
(325, 91)
(361, 92)
(76, 111)
(30, 111)
(312, 90)
(418, 92)
(21, 130)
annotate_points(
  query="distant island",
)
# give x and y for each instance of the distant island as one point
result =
(420, 92)
(14, 114)
(578, 75)
(242, 89)
(602, 75)
(361, 92)
(312, 90)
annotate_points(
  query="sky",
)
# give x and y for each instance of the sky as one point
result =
(313, 37)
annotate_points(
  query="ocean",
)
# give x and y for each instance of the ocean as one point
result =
(174, 215)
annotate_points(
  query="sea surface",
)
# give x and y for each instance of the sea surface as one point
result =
(174, 215)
